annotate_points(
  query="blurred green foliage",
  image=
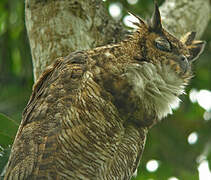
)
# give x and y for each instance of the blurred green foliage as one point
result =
(15, 59)
(166, 143)
(8, 130)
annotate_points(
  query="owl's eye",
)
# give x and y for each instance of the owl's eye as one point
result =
(163, 44)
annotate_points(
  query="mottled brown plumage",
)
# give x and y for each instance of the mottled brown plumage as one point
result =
(89, 113)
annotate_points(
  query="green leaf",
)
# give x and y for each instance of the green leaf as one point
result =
(5, 140)
(4, 156)
(8, 129)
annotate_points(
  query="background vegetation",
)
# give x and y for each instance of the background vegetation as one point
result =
(167, 142)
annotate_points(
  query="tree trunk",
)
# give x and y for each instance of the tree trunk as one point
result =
(56, 28)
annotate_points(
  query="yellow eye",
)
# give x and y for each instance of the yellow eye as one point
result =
(163, 44)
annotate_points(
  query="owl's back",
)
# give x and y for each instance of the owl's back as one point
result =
(71, 129)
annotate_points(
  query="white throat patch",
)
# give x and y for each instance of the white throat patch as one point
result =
(158, 86)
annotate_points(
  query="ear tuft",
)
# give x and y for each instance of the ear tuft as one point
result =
(195, 49)
(155, 23)
(188, 38)
(141, 21)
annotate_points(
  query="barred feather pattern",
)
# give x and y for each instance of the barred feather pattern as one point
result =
(76, 131)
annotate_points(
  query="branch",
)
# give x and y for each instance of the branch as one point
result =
(182, 16)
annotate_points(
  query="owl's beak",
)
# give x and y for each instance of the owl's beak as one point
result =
(184, 64)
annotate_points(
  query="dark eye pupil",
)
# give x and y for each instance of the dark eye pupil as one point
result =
(161, 47)
(163, 44)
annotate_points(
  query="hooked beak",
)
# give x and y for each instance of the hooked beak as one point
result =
(184, 64)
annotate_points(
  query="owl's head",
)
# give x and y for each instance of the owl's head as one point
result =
(159, 46)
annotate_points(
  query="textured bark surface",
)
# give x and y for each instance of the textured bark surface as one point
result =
(182, 16)
(56, 28)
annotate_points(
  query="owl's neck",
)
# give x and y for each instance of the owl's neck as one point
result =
(149, 89)
(157, 86)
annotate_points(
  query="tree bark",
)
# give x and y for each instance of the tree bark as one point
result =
(182, 16)
(56, 28)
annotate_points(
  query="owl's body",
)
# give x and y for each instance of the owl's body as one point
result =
(89, 113)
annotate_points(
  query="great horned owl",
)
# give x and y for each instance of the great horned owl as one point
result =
(89, 113)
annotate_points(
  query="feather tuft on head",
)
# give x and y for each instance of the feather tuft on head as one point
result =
(155, 22)
(140, 20)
